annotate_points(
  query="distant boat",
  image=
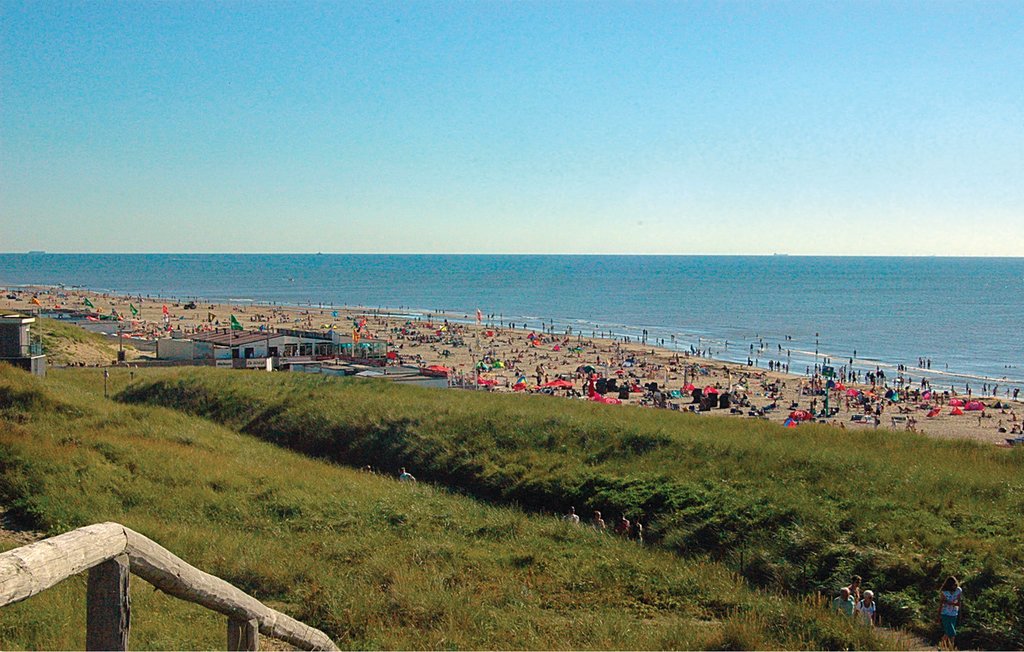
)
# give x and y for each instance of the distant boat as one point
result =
(36, 252)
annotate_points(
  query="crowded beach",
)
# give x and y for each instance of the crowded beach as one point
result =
(480, 352)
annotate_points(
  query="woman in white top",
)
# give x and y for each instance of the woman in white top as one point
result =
(866, 608)
(951, 598)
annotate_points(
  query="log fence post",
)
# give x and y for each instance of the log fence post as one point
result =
(108, 605)
(243, 635)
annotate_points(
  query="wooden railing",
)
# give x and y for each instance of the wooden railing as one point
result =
(110, 551)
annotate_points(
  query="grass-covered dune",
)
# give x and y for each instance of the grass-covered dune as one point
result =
(793, 509)
(66, 343)
(372, 562)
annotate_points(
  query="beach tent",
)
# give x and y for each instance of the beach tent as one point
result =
(974, 406)
(791, 423)
(956, 411)
(853, 392)
(689, 387)
(519, 387)
(486, 382)
(710, 390)
(800, 415)
(438, 368)
(956, 402)
(934, 412)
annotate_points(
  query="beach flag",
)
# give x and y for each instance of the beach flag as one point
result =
(479, 316)
(35, 300)
(88, 303)
(135, 311)
(235, 326)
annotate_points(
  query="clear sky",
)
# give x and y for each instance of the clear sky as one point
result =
(513, 127)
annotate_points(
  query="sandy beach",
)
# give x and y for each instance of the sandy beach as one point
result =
(505, 359)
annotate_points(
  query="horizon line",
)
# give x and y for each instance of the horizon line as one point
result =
(42, 252)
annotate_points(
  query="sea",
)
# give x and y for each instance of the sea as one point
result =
(955, 321)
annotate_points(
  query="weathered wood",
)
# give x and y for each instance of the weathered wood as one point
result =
(243, 635)
(108, 605)
(27, 570)
(30, 569)
(173, 576)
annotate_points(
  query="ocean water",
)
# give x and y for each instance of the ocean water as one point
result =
(964, 314)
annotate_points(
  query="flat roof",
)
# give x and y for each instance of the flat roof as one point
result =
(231, 338)
(16, 318)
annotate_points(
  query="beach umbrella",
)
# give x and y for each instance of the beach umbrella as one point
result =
(956, 411)
(853, 392)
(558, 384)
(710, 390)
(956, 402)
(486, 382)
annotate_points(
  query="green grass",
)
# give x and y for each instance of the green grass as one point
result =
(56, 336)
(374, 563)
(799, 510)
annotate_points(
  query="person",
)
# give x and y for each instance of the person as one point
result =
(405, 476)
(866, 608)
(950, 601)
(854, 587)
(598, 522)
(572, 516)
(638, 531)
(844, 603)
(623, 528)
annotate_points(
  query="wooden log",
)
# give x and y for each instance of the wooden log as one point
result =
(243, 635)
(27, 570)
(108, 605)
(36, 567)
(173, 576)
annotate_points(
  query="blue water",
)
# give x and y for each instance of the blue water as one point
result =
(965, 314)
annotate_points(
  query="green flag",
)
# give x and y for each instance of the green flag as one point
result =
(235, 326)
(135, 311)
(89, 303)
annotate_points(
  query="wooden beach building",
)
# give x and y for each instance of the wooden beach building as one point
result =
(17, 346)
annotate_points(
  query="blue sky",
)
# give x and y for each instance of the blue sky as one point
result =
(513, 127)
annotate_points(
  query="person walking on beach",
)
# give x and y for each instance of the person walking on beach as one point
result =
(405, 476)
(950, 601)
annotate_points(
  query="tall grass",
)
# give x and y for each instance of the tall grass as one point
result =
(374, 563)
(798, 510)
